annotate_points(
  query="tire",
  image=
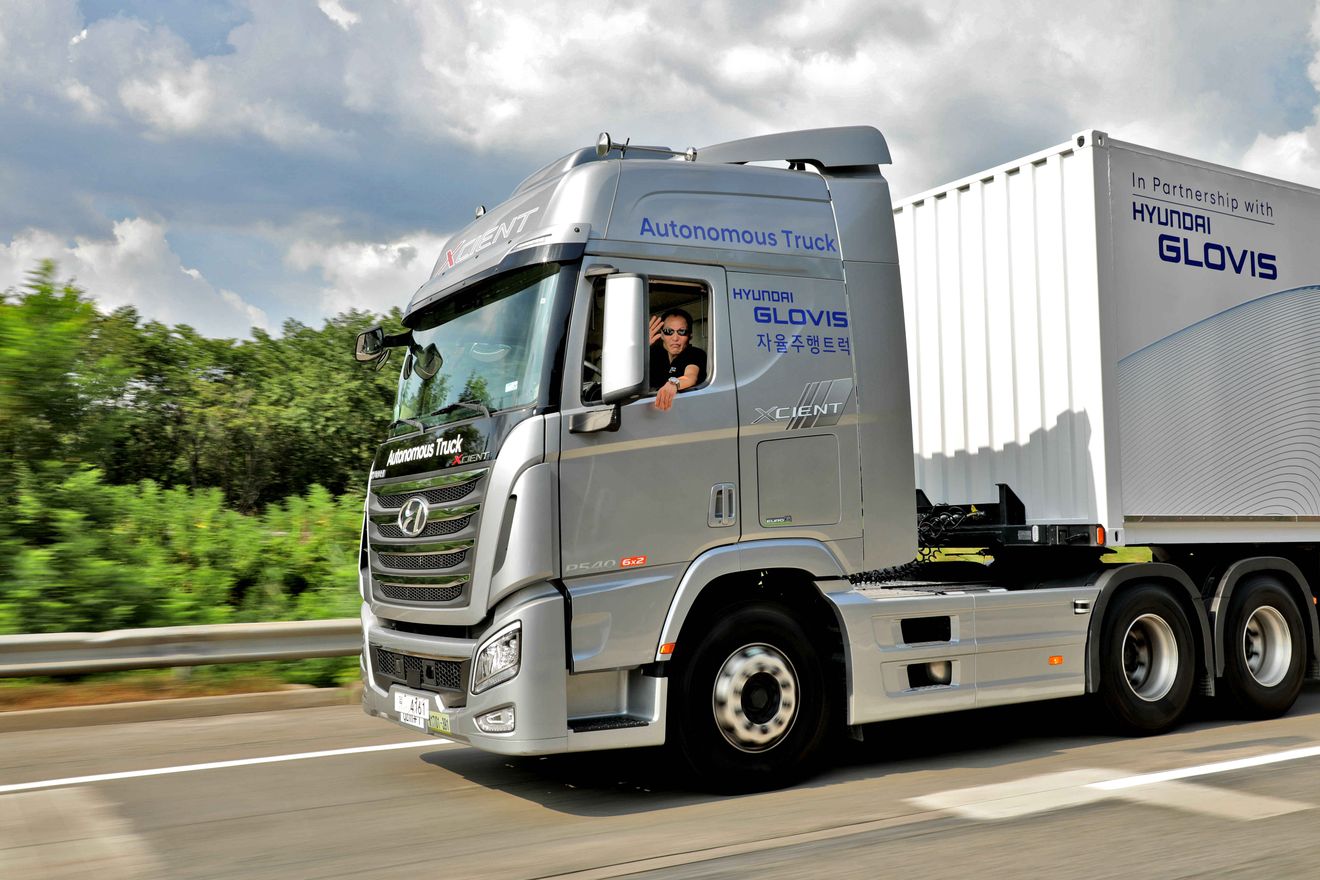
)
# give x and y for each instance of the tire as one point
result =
(1264, 649)
(750, 708)
(1147, 661)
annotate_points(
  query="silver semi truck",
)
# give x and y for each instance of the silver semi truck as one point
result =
(1101, 364)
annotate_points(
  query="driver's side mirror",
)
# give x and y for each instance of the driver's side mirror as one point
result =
(374, 346)
(370, 344)
(624, 349)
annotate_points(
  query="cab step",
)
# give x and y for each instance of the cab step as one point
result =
(606, 722)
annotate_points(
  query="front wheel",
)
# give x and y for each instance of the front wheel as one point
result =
(1264, 646)
(1147, 660)
(750, 708)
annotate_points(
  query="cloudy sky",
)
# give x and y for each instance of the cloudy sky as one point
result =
(236, 163)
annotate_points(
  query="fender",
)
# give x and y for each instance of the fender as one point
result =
(810, 556)
(1235, 574)
(1109, 583)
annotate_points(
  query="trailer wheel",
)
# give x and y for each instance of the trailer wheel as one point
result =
(1263, 649)
(1147, 660)
(749, 708)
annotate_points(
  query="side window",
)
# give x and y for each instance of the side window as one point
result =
(672, 305)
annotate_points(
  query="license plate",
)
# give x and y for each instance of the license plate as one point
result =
(440, 723)
(412, 709)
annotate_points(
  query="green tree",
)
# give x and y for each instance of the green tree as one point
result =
(45, 372)
(158, 477)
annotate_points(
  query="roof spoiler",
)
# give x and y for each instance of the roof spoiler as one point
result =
(844, 147)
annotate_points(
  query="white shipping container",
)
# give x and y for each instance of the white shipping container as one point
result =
(1125, 337)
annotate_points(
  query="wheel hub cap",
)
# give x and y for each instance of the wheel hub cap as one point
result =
(1150, 657)
(755, 698)
(1267, 646)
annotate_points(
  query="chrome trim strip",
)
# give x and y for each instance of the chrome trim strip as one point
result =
(449, 479)
(423, 582)
(446, 514)
(423, 549)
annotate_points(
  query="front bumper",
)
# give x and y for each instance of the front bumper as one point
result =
(537, 693)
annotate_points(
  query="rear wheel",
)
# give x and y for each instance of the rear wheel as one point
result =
(1264, 649)
(749, 708)
(1147, 660)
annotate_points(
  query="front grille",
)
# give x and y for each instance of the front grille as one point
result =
(444, 549)
(439, 527)
(424, 673)
(420, 561)
(441, 495)
(419, 594)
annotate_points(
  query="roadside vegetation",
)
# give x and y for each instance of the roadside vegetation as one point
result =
(157, 477)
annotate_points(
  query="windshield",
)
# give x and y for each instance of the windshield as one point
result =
(492, 345)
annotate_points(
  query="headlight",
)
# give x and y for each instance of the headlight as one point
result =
(498, 659)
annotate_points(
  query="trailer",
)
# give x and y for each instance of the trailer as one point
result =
(682, 442)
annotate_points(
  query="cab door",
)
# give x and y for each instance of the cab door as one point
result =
(647, 498)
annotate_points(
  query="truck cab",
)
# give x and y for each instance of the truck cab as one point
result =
(552, 563)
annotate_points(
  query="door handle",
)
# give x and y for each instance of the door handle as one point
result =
(723, 506)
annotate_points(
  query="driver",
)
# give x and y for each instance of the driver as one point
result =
(676, 364)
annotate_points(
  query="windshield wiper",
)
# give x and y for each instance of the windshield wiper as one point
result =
(474, 405)
(413, 422)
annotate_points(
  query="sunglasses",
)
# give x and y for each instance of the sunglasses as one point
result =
(670, 331)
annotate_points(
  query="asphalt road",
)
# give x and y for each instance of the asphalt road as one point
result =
(1020, 793)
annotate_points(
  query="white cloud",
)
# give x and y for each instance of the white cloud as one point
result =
(368, 276)
(348, 85)
(946, 81)
(335, 11)
(147, 75)
(136, 267)
(1293, 155)
(953, 85)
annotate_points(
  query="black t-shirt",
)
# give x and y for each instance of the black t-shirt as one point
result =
(662, 367)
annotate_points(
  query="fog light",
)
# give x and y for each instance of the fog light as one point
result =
(499, 721)
(940, 671)
(498, 659)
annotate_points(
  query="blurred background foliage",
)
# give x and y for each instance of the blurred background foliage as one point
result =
(157, 477)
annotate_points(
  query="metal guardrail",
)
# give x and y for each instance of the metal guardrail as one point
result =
(79, 653)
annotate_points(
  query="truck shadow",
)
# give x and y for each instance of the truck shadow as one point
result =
(627, 782)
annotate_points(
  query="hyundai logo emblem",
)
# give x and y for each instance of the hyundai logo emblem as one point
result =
(412, 518)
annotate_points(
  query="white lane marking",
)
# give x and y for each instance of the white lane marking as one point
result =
(1209, 801)
(219, 765)
(1207, 769)
(1020, 797)
(1074, 788)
